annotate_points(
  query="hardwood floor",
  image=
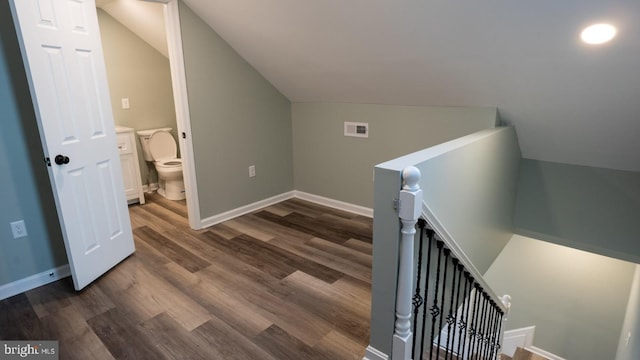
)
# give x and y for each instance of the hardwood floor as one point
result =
(290, 281)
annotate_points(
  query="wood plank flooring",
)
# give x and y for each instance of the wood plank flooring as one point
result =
(290, 281)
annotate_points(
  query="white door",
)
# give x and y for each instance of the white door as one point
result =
(62, 52)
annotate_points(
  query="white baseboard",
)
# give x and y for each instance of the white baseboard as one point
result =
(336, 204)
(524, 338)
(150, 187)
(544, 353)
(517, 338)
(33, 281)
(228, 215)
(374, 354)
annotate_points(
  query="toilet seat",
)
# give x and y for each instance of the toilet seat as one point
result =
(162, 146)
(169, 163)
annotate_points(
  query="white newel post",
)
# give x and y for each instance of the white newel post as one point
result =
(409, 210)
(506, 301)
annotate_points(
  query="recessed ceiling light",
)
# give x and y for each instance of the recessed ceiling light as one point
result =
(598, 34)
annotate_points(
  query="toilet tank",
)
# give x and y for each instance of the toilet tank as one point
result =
(144, 135)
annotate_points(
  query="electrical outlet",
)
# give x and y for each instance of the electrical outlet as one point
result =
(252, 171)
(19, 229)
(125, 103)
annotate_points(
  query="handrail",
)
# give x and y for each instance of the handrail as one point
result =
(486, 216)
(441, 232)
(411, 207)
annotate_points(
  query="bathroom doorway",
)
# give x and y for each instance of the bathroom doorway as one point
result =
(145, 81)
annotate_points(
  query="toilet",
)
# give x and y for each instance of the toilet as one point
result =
(159, 147)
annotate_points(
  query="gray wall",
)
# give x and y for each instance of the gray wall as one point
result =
(631, 326)
(469, 185)
(576, 300)
(587, 208)
(238, 119)
(327, 163)
(136, 71)
(384, 271)
(472, 191)
(24, 183)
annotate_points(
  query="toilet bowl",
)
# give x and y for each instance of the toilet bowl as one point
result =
(159, 146)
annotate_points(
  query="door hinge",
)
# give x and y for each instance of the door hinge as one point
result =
(47, 161)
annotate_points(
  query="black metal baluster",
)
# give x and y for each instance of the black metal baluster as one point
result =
(457, 318)
(481, 327)
(430, 236)
(487, 314)
(417, 297)
(435, 310)
(451, 319)
(470, 328)
(496, 332)
(478, 323)
(474, 328)
(465, 325)
(447, 252)
(499, 336)
(494, 328)
(490, 329)
(487, 333)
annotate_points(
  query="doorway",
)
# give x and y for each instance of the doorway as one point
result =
(138, 73)
(70, 97)
(145, 70)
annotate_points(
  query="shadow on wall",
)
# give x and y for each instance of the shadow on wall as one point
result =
(588, 208)
(25, 157)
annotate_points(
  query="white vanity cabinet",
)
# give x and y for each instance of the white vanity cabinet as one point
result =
(129, 161)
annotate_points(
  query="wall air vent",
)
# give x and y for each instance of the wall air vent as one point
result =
(356, 129)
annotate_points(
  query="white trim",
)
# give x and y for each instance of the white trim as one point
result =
(33, 281)
(336, 204)
(183, 117)
(515, 338)
(420, 156)
(228, 215)
(544, 353)
(150, 187)
(374, 354)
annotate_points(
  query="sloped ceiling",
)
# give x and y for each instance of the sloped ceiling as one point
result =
(570, 103)
(143, 18)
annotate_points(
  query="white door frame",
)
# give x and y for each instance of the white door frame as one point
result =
(183, 118)
(181, 104)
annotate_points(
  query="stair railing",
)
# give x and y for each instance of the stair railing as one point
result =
(444, 308)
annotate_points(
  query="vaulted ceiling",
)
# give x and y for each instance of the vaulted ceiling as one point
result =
(570, 102)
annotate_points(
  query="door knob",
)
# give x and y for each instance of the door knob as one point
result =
(61, 159)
